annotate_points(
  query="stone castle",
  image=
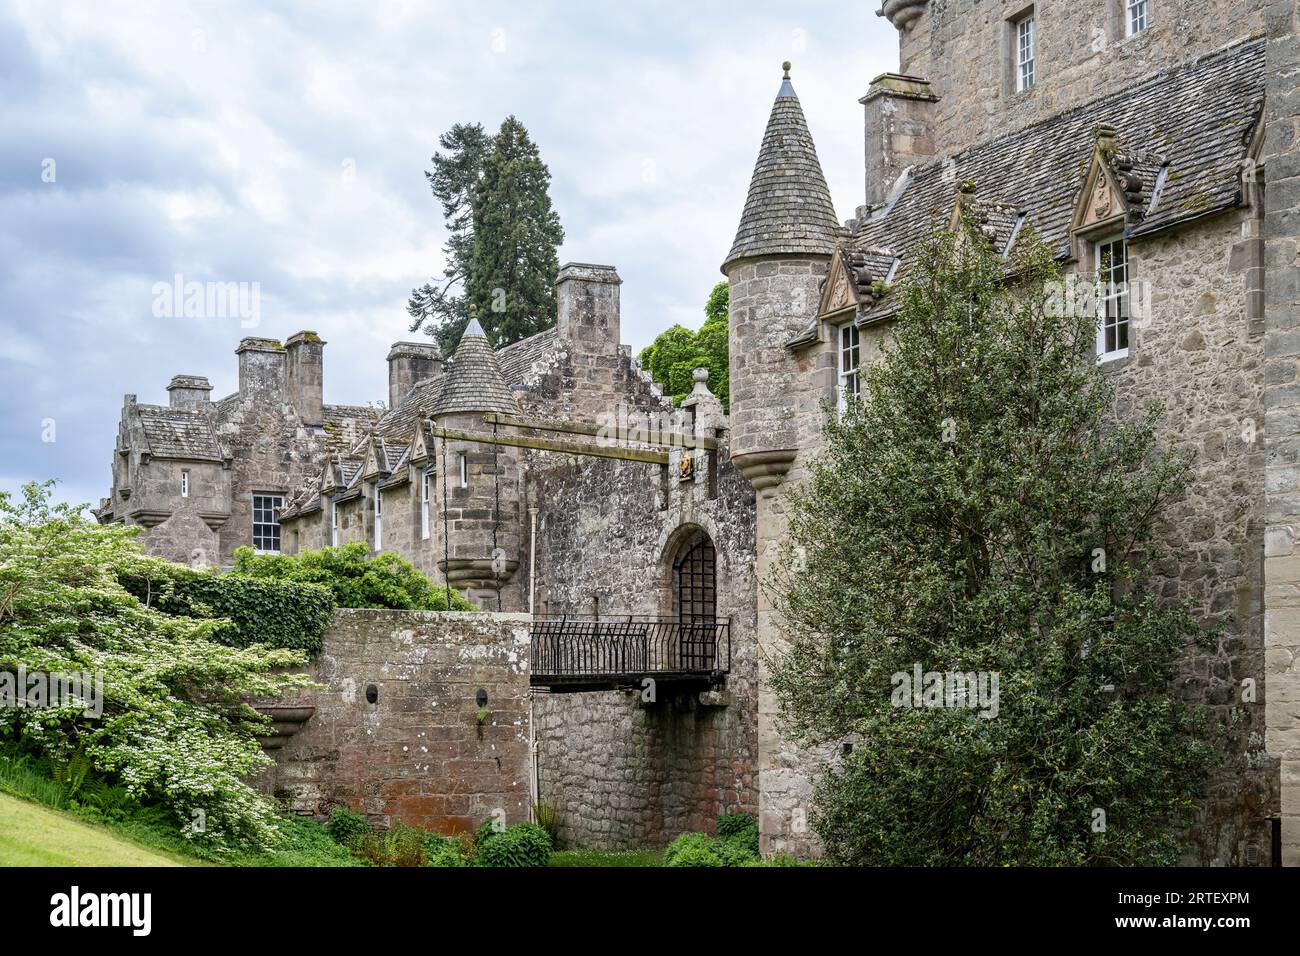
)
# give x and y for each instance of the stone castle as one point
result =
(1154, 138)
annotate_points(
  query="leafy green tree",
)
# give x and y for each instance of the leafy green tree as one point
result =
(983, 510)
(175, 729)
(673, 356)
(355, 578)
(513, 258)
(503, 238)
(444, 310)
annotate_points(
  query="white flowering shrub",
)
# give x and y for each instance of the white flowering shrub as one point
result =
(176, 727)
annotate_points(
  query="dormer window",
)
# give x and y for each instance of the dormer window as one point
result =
(847, 352)
(1137, 16)
(1025, 50)
(1113, 299)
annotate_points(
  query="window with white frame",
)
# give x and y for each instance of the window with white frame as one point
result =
(1137, 16)
(1113, 297)
(464, 470)
(334, 524)
(1026, 43)
(426, 479)
(266, 522)
(379, 519)
(847, 339)
(185, 484)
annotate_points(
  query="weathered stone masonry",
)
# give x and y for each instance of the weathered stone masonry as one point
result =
(420, 753)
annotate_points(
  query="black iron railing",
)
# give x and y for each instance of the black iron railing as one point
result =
(614, 648)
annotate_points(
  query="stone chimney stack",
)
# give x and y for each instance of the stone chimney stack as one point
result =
(899, 125)
(588, 308)
(261, 369)
(305, 376)
(189, 391)
(408, 363)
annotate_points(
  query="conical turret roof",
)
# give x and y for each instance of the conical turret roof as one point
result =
(472, 380)
(789, 209)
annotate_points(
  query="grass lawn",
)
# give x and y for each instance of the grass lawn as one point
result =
(608, 858)
(31, 835)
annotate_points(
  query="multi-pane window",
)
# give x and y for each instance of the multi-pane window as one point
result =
(334, 524)
(847, 364)
(1112, 282)
(379, 520)
(266, 525)
(185, 484)
(1025, 47)
(426, 479)
(1137, 16)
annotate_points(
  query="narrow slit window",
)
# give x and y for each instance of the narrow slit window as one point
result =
(426, 479)
(1113, 288)
(334, 524)
(1026, 43)
(464, 470)
(849, 387)
(185, 484)
(379, 519)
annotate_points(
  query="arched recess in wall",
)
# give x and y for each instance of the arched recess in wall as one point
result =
(689, 577)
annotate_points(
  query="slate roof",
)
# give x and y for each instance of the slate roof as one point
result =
(1198, 118)
(416, 405)
(472, 379)
(788, 210)
(179, 433)
(347, 424)
(519, 358)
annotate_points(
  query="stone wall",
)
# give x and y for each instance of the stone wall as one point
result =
(419, 754)
(1200, 356)
(964, 49)
(624, 772)
(1281, 156)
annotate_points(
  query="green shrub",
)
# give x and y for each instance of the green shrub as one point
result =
(347, 827)
(524, 844)
(692, 849)
(740, 828)
(175, 729)
(442, 851)
(486, 831)
(399, 845)
(700, 849)
(547, 816)
(275, 614)
(355, 578)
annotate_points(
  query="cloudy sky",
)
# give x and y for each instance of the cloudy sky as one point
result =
(284, 145)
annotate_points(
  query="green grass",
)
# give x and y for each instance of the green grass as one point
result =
(601, 858)
(32, 835)
(306, 842)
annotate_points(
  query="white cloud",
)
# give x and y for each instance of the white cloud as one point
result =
(226, 142)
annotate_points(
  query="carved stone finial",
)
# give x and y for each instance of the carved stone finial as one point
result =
(901, 13)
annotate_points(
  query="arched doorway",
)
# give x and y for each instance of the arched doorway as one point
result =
(695, 602)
